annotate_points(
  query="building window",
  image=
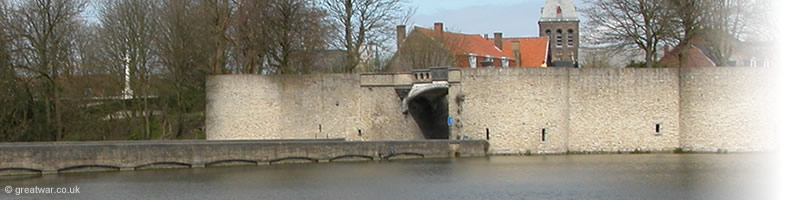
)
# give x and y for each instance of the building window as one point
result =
(488, 62)
(559, 38)
(570, 38)
(473, 61)
(548, 33)
(504, 61)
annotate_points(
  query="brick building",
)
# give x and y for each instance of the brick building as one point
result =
(424, 47)
(700, 54)
(559, 21)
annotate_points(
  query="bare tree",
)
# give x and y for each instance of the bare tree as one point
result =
(43, 30)
(298, 28)
(217, 16)
(12, 103)
(4, 36)
(180, 52)
(250, 24)
(363, 22)
(421, 51)
(128, 28)
(274, 36)
(726, 23)
(88, 48)
(689, 17)
(642, 25)
(718, 24)
(597, 58)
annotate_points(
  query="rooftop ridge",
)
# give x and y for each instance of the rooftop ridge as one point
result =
(559, 10)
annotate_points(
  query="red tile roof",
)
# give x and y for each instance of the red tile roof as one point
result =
(695, 58)
(533, 50)
(466, 43)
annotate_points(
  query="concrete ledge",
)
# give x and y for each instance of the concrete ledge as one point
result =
(58, 157)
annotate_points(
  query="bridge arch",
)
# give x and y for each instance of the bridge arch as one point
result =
(293, 158)
(387, 157)
(427, 104)
(350, 156)
(219, 162)
(156, 164)
(12, 169)
(79, 167)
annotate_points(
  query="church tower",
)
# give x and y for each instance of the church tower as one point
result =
(560, 22)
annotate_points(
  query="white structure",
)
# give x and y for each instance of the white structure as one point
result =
(127, 93)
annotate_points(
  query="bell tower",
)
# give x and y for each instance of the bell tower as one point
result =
(559, 21)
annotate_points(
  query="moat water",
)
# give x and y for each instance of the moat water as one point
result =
(612, 176)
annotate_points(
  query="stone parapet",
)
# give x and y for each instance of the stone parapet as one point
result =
(58, 157)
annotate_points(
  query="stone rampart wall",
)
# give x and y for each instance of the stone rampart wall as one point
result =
(618, 110)
(727, 109)
(304, 107)
(583, 110)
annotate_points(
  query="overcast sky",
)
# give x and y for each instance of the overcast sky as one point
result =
(512, 17)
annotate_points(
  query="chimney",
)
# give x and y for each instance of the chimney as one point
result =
(401, 34)
(498, 40)
(486, 36)
(516, 53)
(438, 27)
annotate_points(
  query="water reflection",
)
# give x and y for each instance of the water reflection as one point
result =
(647, 176)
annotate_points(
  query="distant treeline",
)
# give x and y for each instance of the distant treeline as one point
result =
(63, 73)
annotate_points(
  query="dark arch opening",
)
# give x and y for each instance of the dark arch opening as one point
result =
(232, 161)
(350, 156)
(90, 167)
(430, 111)
(19, 169)
(293, 158)
(404, 154)
(163, 165)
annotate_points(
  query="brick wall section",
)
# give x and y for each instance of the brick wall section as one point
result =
(300, 96)
(727, 109)
(382, 116)
(515, 104)
(243, 107)
(618, 109)
(304, 107)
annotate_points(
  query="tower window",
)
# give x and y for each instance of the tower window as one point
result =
(559, 38)
(548, 33)
(570, 38)
(558, 10)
